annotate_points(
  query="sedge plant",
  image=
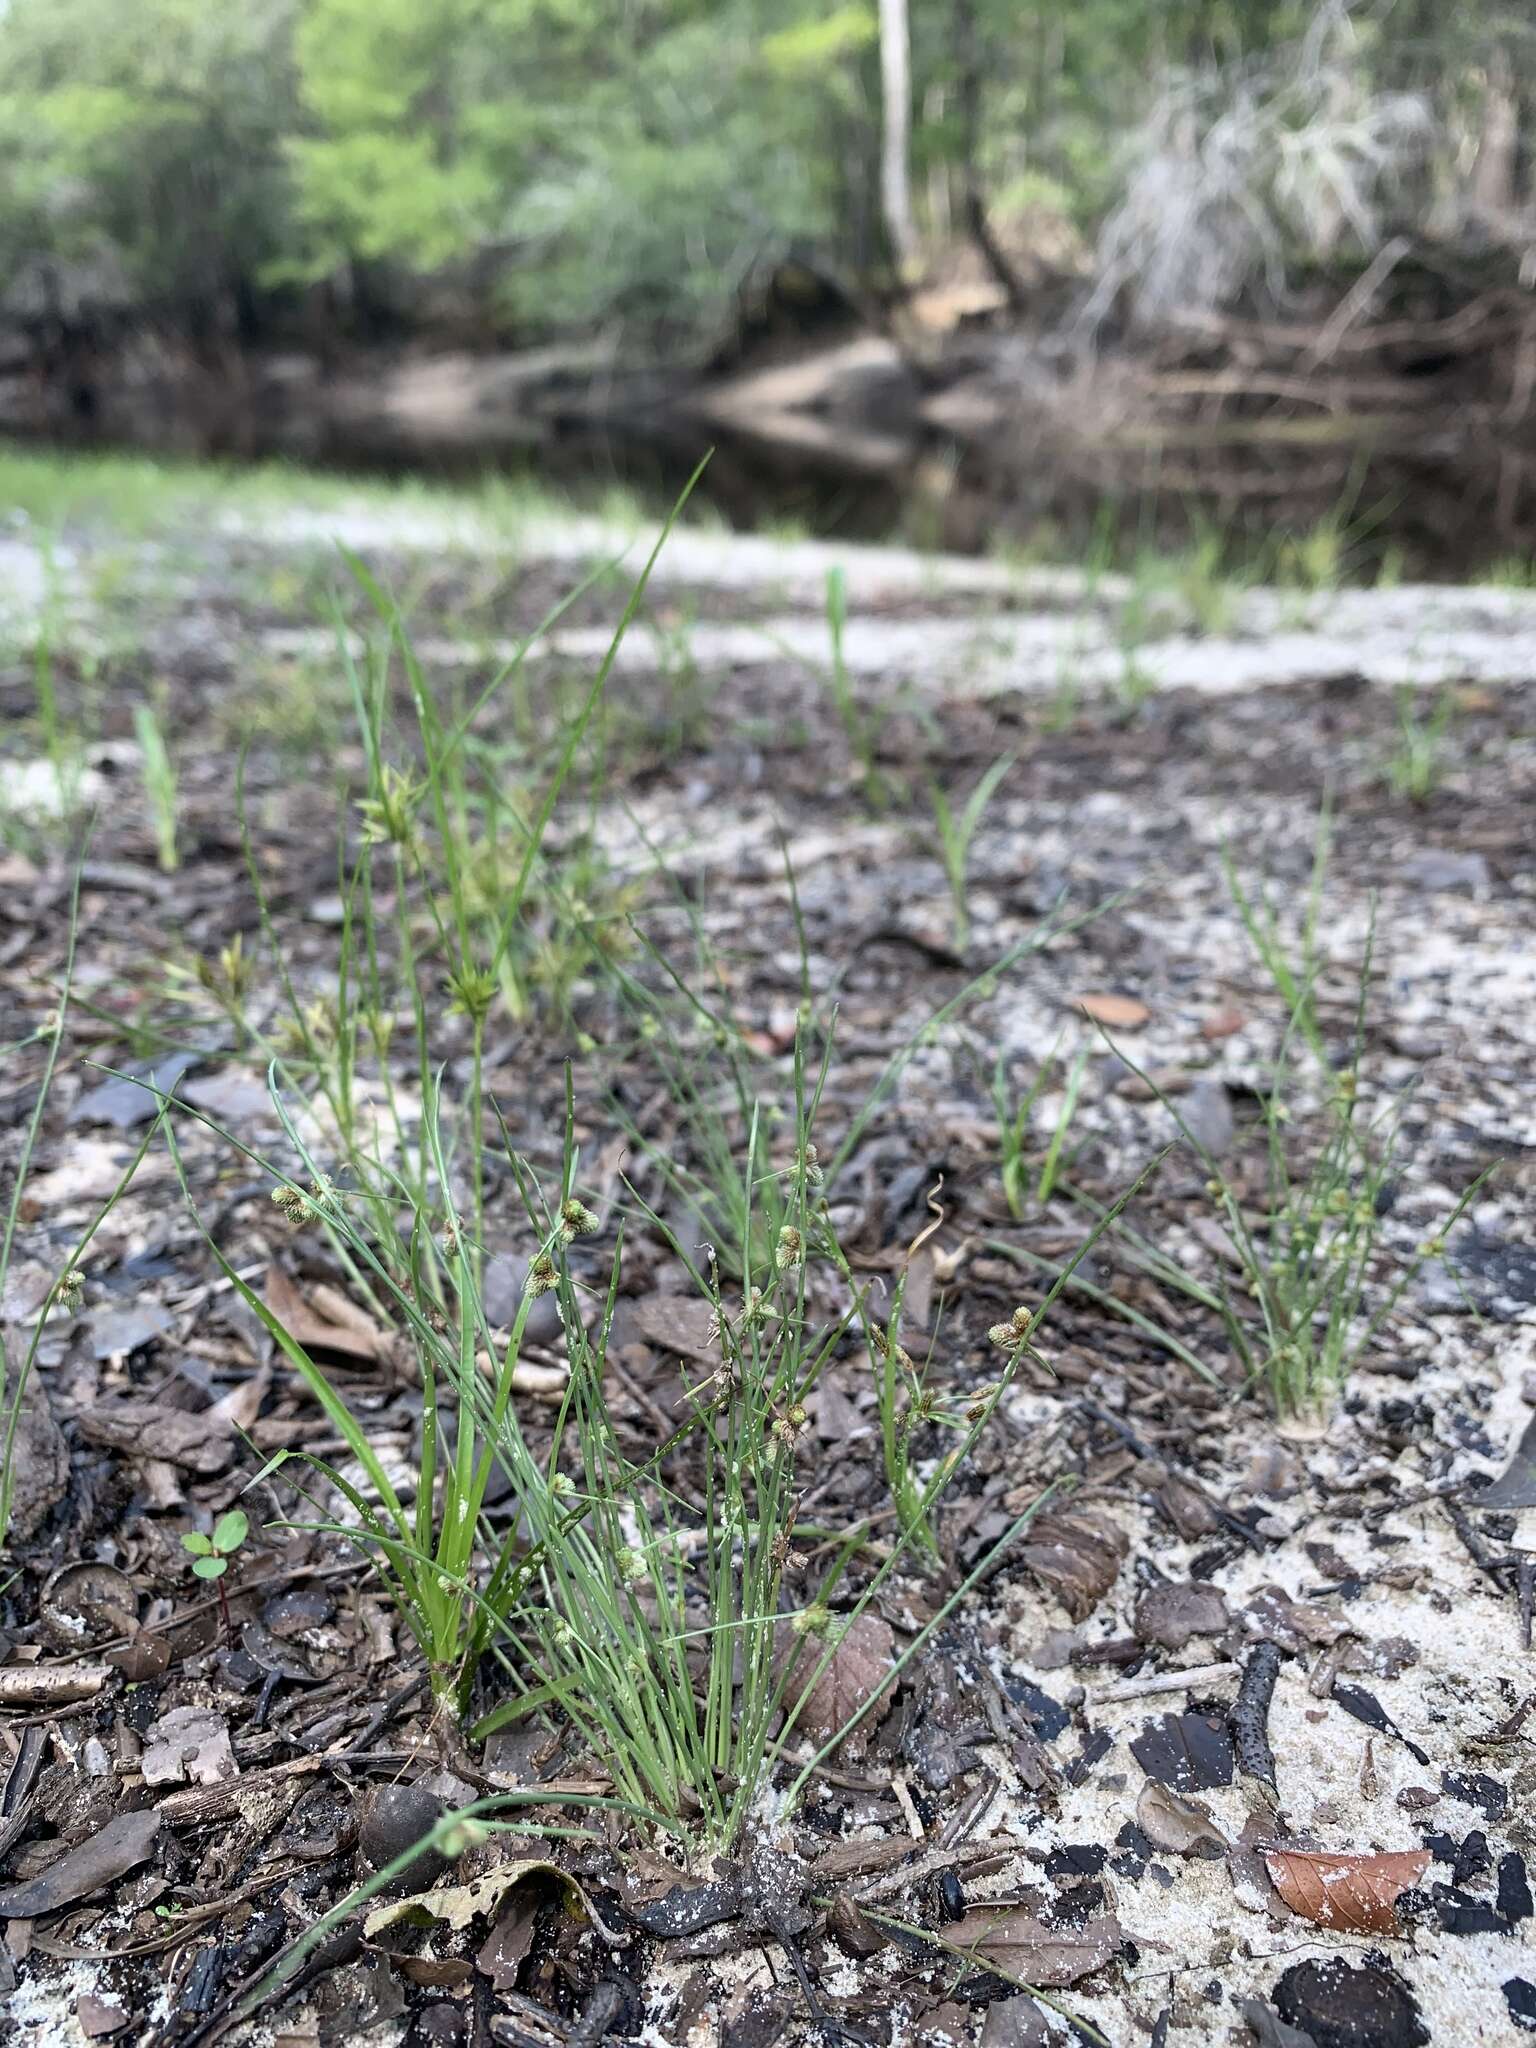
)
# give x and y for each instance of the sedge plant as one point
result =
(159, 772)
(956, 830)
(1306, 1295)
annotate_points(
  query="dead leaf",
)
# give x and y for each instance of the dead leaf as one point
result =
(457, 1904)
(133, 1096)
(124, 1843)
(333, 1324)
(1116, 1013)
(856, 1671)
(1184, 1827)
(1356, 1894)
(38, 1458)
(114, 1332)
(239, 1408)
(681, 1323)
(500, 1956)
(917, 1297)
(853, 1930)
(89, 1171)
(1223, 1023)
(188, 1742)
(148, 1429)
(1076, 1555)
(98, 2020)
(1271, 1615)
(1018, 1946)
(1191, 1752)
(1171, 1615)
(1021, 2022)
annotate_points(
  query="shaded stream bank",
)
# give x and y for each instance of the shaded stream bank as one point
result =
(1405, 447)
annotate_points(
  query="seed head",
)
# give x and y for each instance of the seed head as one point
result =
(791, 1251)
(812, 1621)
(756, 1309)
(296, 1209)
(389, 818)
(71, 1290)
(543, 1275)
(472, 990)
(1010, 1335)
(576, 1220)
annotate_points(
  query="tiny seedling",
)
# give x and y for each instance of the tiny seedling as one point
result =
(159, 784)
(211, 1554)
(956, 831)
(859, 728)
(1013, 1128)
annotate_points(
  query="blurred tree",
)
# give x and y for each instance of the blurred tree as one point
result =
(593, 158)
(588, 163)
(148, 139)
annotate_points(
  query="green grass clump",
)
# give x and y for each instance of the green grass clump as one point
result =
(1307, 1296)
(1416, 763)
(956, 829)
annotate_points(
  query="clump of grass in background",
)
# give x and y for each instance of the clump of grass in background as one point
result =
(1014, 1122)
(1298, 1315)
(859, 726)
(159, 774)
(956, 831)
(1416, 763)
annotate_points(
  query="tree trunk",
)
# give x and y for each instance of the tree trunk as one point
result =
(895, 131)
(979, 228)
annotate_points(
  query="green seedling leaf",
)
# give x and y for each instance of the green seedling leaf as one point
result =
(231, 1530)
(210, 1567)
(197, 1543)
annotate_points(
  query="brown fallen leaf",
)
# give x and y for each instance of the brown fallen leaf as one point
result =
(858, 1667)
(188, 1742)
(98, 2020)
(1075, 1554)
(1116, 1013)
(1354, 1893)
(1173, 1614)
(1016, 1945)
(200, 1443)
(1182, 1826)
(680, 1322)
(1223, 1023)
(500, 1956)
(332, 1323)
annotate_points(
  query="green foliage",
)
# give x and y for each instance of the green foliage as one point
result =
(159, 772)
(1416, 763)
(145, 143)
(211, 1554)
(956, 830)
(549, 162)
